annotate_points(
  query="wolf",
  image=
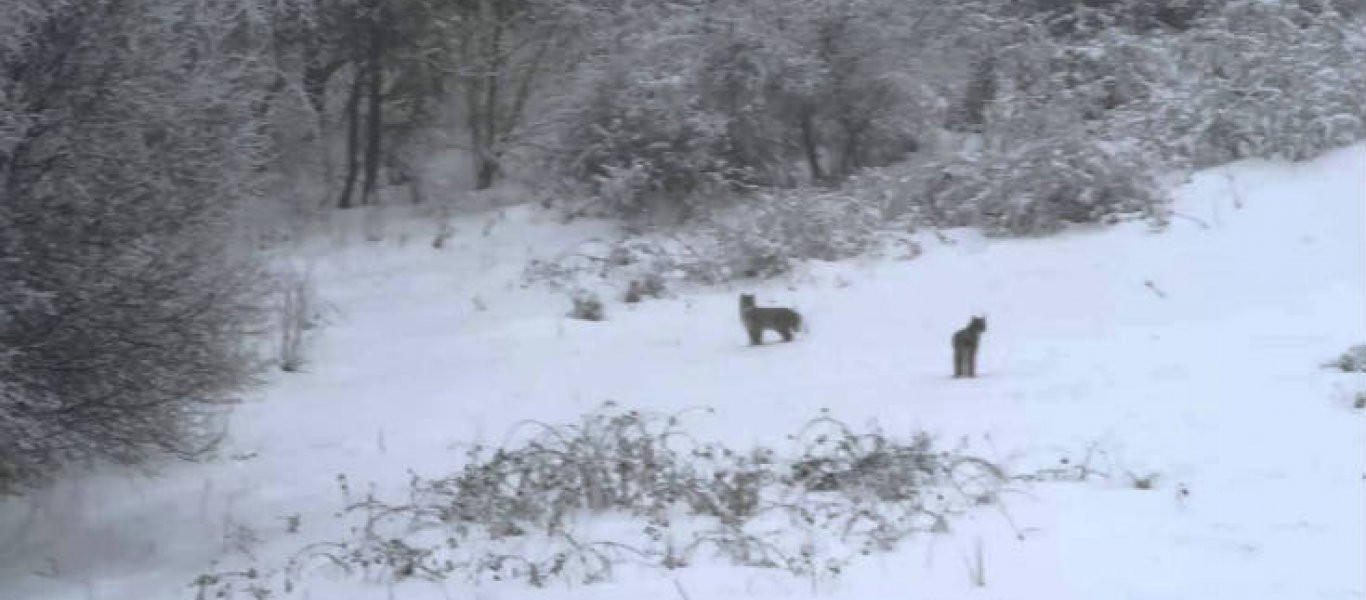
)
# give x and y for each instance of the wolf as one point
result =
(965, 342)
(757, 319)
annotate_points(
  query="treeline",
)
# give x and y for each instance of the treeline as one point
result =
(662, 105)
(1021, 115)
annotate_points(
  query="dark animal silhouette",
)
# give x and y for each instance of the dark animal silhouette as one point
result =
(757, 319)
(965, 343)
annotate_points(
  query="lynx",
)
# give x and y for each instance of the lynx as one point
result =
(756, 320)
(965, 343)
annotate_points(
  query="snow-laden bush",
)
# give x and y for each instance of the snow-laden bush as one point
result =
(1236, 79)
(641, 137)
(125, 301)
(1268, 79)
(679, 110)
(1032, 188)
(299, 311)
(587, 307)
(517, 512)
(1036, 189)
(649, 285)
(1351, 361)
(1246, 79)
(764, 235)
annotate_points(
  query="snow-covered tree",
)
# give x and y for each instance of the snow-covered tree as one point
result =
(129, 134)
(702, 97)
(1269, 79)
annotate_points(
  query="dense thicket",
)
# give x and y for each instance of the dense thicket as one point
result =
(129, 132)
(1040, 113)
(671, 105)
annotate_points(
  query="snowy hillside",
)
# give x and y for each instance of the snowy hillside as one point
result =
(1193, 355)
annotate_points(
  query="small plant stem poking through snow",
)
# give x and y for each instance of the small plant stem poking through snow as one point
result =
(976, 565)
(682, 593)
(1152, 286)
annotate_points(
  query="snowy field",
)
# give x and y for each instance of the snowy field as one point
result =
(1193, 354)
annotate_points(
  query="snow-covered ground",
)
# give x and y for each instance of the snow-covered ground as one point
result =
(1194, 353)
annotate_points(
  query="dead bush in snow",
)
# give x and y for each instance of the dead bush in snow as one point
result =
(835, 458)
(651, 285)
(1351, 361)
(587, 307)
(673, 500)
(1070, 468)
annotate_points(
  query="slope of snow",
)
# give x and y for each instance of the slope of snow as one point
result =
(1193, 353)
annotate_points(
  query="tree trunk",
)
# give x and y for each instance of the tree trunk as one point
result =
(374, 121)
(487, 173)
(813, 158)
(851, 156)
(485, 130)
(315, 80)
(352, 140)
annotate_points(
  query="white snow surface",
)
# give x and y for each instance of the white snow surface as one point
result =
(1216, 387)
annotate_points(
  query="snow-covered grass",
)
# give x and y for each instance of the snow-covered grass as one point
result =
(1193, 354)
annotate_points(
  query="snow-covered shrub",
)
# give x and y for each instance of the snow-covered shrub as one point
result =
(761, 236)
(298, 312)
(563, 271)
(125, 301)
(1247, 79)
(650, 285)
(640, 137)
(764, 235)
(1234, 80)
(444, 232)
(623, 188)
(593, 261)
(1066, 18)
(1351, 361)
(1037, 188)
(1267, 79)
(682, 110)
(1031, 188)
(587, 307)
